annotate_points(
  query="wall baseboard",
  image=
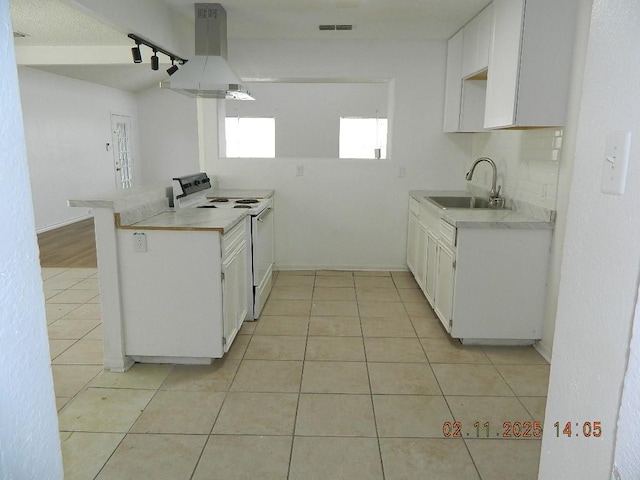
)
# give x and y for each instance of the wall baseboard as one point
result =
(543, 350)
(64, 224)
(359, 268)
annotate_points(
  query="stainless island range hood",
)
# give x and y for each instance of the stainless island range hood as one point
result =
(208, 74)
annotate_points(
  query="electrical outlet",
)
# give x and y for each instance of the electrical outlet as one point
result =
(139, 242)
(402, 171)
(299, 170)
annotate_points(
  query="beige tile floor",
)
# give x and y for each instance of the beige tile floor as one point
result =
(346, 375)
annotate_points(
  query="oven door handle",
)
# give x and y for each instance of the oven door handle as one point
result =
(267, 211)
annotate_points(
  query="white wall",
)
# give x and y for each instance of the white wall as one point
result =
(29, 442)
(168, 127)
(527, 163)
(67, 126)
(351, 213)
(601, 259)
(317, 134)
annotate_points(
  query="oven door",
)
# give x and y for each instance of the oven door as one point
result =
(262, 232)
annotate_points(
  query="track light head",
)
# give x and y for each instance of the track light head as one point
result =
(173, 68)
(154, 61)
(135, 53)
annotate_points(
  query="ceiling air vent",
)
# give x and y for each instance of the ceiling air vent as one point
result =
(335, 27)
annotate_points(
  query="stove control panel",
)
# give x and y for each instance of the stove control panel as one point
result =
(190, 184)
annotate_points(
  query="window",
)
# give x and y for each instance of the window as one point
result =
(308, 115)
(363, 137)
(250, 137)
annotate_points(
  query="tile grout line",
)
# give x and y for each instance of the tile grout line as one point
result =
(444, 397)
(304, 364)
(373, 408)
(304, 357)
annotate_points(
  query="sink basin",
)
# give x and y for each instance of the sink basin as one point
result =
(461, 202)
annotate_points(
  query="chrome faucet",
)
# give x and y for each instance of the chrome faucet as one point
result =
(494, 194)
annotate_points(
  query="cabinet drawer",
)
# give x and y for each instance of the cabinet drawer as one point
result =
(234, 238)
(448, 233)
(429, 218)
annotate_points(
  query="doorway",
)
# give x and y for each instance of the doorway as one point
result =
(122, 156)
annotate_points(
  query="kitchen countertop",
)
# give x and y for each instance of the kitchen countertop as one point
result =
(522, 216)
(147, 208)
(119, 200)
(189, 219)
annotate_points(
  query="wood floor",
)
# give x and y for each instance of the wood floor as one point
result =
(71, 246)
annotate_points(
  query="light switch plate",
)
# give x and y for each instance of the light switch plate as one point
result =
(616, 160)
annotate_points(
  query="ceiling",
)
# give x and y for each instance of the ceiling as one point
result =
(58, 23)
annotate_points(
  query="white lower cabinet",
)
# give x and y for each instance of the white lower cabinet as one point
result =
(421, 254)
(486, 285)
(234, 293)
(445, 274)
(184, 296)
(412, 237)
(432, 251)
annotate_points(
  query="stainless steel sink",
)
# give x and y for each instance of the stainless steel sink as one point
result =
(462, 202)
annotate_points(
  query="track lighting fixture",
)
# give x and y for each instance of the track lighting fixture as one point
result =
(155, 62)
(135, 52)
(173, 68)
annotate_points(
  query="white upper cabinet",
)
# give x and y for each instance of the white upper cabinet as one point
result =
(467, 61)
(477, 39)
(453, 84)
(529, 63)
(510, 67)
(464, 98)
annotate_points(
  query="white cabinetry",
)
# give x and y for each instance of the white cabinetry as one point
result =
(432, 251)
(234, 284)
(486, 285)
(529, 63)
(443, 302)
(465, 97)
(476, 41)
(176, 306)
(421, 253)
(453, 84)
(412, 237)
(511, 66)
(445, 274)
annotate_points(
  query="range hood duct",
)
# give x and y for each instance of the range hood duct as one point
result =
(208, 74)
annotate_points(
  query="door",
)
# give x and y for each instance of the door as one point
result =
(445, 261)
(412, 244)
(263, 254)
(234, 294)
(122, 156)
(430, 282)
(421, 253)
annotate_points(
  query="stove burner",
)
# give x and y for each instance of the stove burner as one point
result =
(206, 206)
(220, 200)
(247, 200)
(242, 206)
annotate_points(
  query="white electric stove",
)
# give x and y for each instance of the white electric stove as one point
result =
(198, 191)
